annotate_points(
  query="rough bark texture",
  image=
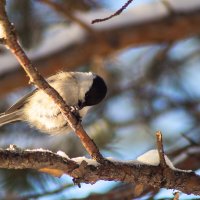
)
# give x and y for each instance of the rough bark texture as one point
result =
(156, 176)
(174, 27)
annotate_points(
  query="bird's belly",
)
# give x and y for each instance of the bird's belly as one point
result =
(46, 118)
(44, 114)
(51, 124)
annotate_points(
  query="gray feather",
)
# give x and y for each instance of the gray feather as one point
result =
(14, 112)
(20, 103)
(11, 117)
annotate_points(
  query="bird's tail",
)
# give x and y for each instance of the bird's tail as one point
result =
(10, 117)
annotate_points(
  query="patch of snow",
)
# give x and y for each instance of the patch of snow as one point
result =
(135, 162)
(39, 149)
(63, 154)
(149, 158)
(113, 159)
(13, 147)
(79, 160)
(152, 158)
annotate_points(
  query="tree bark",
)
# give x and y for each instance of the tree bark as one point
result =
(156, 176)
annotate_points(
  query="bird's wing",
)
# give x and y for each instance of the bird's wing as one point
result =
(20, 103)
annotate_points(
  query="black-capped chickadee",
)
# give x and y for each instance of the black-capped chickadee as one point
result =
(80, 90)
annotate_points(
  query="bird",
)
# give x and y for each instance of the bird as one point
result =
(80, 91)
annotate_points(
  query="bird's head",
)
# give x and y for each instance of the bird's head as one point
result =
(92, 90)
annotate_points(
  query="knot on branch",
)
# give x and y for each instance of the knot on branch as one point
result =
(79, 173)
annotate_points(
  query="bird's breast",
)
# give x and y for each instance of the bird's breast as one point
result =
(44, 114)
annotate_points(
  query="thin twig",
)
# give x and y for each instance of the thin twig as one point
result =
(176, 196)
(160, 149)
(118, 12)
(10, 38)
(69, 15)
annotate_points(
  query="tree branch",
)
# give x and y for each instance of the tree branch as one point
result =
(187, 182)
(11, 43)
(118, 12)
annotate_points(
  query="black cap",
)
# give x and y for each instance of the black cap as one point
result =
(96, 93)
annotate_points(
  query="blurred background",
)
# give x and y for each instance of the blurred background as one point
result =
(149, 57)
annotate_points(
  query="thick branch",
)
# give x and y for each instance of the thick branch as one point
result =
(11, 43)
(187, 182)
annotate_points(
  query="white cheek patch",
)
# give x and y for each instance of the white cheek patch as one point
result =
(85, 81)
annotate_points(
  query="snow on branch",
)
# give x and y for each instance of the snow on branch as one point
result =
(89, 171)
(86, 170)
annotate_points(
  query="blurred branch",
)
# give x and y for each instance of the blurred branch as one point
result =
(89, 172)
(43, 194)
(127, 191)
(115, 39)
(59, 8)
(118, 12)
(190, 140)
(186, 157)
(9, 35)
